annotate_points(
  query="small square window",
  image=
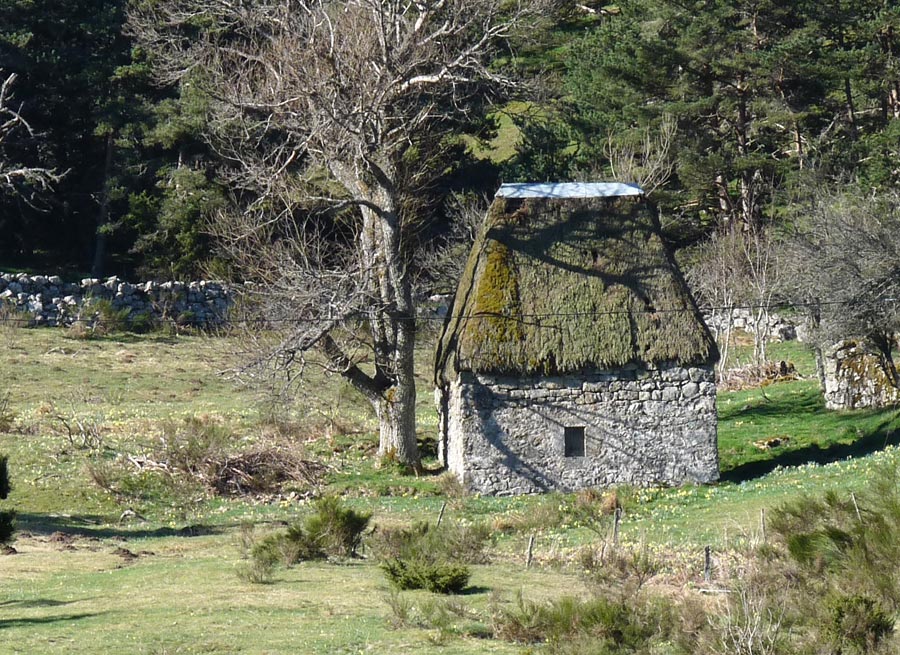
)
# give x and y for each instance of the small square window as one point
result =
(574, 438)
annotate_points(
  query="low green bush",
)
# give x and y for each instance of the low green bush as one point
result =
(332, 530)
(462, 543)
(594, 625)
(624, 569)
(194, 445)
(445, 618)
(106, 318)
(430, 557)
(142, 322)
(257, 570)
(7, 415)
(7, 518)
(854, 541)
(437, 577)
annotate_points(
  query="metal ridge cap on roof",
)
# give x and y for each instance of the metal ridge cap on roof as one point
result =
(568, 190)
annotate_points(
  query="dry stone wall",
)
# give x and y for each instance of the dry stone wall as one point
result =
(506, 435)
(778, 328)
(47, 300)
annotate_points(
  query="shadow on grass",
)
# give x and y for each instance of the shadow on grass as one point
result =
(156, 337)
(43, 620)
(776, 402)
(803, 407)
(38, 602)
(99, 527)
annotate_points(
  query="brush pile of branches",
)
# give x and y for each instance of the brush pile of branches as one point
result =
(198, 456)
(262, 470)
(753, 376)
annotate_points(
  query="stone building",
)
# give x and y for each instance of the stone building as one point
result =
(573, 355)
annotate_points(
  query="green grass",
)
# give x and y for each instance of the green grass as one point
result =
(793, 412)
(99, 603)
(71, 590)
(503, 145)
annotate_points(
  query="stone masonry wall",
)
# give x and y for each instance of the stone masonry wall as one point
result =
(505, 436)
(857, 377)
(50, 301)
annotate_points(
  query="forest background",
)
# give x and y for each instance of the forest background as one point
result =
(749, 108)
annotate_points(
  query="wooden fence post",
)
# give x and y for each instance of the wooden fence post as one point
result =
(617, 516)
(707, 565)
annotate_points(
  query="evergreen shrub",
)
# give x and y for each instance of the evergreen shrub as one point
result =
(7, 415)
(857, 625)
(437, 577)
(451, 542)
(430, 557)
(594, 625)
(332, 530)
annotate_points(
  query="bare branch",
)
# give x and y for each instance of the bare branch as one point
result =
(648, 165)
(330, 115)
(23, 181)
(842, 263)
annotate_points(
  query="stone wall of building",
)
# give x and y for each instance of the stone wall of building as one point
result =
(47, 300)
(505, 436)
(856, 377)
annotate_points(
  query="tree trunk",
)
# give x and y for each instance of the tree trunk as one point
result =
(103, 214)
(748, 178)
(397, 330)
(725, 343)
(397, 417)
(392, 321)
(760, 335)
(820, 367)
(851, 109)
(894, 100)
(725, 205)
(749, 213)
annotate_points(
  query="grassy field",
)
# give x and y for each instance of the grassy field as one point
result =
(156, 570)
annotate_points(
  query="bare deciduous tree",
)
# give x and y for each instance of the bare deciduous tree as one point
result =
(737, 269)
(714, 278)
(649, 165)
(762, 276)
(24, 181)
(444, 259)
(843, 267)
(344, 104)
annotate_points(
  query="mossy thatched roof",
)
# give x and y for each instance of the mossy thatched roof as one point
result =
(566, 285)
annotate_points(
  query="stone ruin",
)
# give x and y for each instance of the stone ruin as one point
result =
(857, 376)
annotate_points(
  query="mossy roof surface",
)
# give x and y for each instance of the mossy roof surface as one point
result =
(558, 286)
